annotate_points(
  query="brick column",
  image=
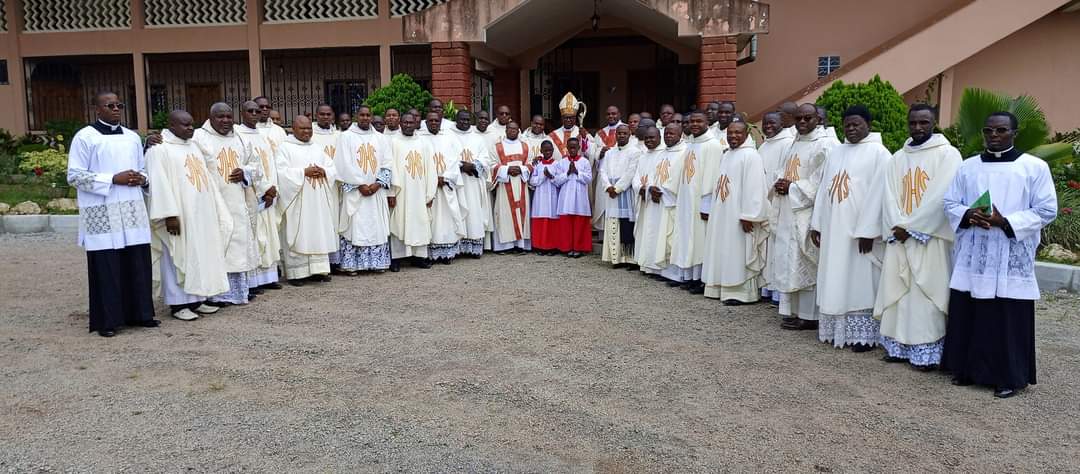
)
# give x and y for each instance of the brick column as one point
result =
(716, 77)
(508, 93)
(451, 73)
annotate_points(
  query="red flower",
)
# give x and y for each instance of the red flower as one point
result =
(1066, 211)
(38, 171)
(1073, 184)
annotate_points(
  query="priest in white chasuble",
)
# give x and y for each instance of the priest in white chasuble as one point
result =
(725, 115)
(572, 111)
(325, 136)
(484, 131)
(267, 227)
(846, 227)
(604, 139)
(189, 220)
(685, 182)
(305, 176)
(363, 165)
(792, 257)
(272, 131)
(510, 173)
(998, 202)
(503, 117)
(656, 207)
(235, 172)
(619, 199)
(534, 136)
(735, 238)
(913, 296)
(772, 150)
(473, 195)
(447, 214)
(412, 195)
(392, 117)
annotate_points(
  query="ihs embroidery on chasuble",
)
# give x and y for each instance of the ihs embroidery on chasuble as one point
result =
(264, 158)
(913, 187)
(791, 171)
(365, 158)
(723, 187)
(644, 181)
(330, 150)
(663, 171)
(196, 173)
(414, 164)
(228, 160)
(841, 186)
(467, 156)
(688, 171)
(440, 163)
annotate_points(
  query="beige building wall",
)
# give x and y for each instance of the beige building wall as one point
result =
(802, 30)
(1041, 60)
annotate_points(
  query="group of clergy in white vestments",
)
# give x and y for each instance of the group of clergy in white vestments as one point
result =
(921, 252)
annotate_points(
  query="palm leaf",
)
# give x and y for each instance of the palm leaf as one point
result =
(1054, 153)
(977, 104)
(1034, 130)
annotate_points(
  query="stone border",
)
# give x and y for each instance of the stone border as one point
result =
(64, 224)
(1055, 276)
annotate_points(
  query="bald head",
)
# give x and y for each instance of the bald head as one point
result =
(806, 118)
(180, 124)
(301, 127)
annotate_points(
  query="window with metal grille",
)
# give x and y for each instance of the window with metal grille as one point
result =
(827, 65)
(3, 72)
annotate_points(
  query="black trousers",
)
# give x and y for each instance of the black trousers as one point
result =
(990, 342)
(120, 287)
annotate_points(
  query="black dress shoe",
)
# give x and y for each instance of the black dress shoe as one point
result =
(959, 382)
(395, 266)
(221, 304)
(893, 360)
(297, 282)
(734, 303)
(422, 263)
(271, 286)
(256, 291)
(673, 283)
(789, 319)
(251, 296)
(632, 268)
(150, 323)
(800, 325)
(106, 332)
(925, 368)
(697, 290)
(861, 348)
(1005, 393)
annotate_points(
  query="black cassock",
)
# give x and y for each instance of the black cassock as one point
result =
(120, 287)
(990, 341)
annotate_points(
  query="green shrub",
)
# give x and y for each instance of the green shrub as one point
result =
(1065, 230)
(402, 93)
(32, 148)
(160, 120)
(887, 108)
(50, 164)
(61, 132)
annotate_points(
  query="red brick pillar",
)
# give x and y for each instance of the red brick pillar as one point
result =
(508, 93)
(451, 73)
(716, 78)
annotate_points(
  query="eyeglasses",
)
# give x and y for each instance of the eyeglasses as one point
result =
(998, 130)
(251, 111)
(114, 106)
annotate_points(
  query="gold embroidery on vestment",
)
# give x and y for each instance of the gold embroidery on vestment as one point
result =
(196, 174)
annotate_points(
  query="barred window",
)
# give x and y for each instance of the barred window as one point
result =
(827, 65)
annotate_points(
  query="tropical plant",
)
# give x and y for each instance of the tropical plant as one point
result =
(160, 120)
(977, 104)
(402, 93)
(61, 132)
(887, 108)
(50, 164)
(450, 110)
(1065, 230)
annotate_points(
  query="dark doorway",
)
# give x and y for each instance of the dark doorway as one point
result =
(200, 97)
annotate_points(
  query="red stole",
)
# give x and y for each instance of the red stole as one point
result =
(517, 202)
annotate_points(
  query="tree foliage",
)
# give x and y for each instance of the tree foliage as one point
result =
(887, 108)
(402, 93)
(977, 104)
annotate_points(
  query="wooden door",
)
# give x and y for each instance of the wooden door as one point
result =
(56, 100)
(199, 99)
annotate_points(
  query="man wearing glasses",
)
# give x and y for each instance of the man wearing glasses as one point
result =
(998, 204)
(107, 166)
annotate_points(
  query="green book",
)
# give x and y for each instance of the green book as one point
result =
(983, 203)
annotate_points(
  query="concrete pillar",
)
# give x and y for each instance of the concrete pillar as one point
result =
(138, 62)
(254, 43)
(384, 64)
(508, 92)
(451, 72)
(716, 76)
(16, 70)
(945, 98)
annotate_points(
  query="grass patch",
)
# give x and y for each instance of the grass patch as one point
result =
(41, 194)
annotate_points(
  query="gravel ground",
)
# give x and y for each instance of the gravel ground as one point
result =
(508, 363)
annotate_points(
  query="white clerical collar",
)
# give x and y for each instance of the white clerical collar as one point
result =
(320, 129)
(111, 126)
(246, 127)
(998, 154)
